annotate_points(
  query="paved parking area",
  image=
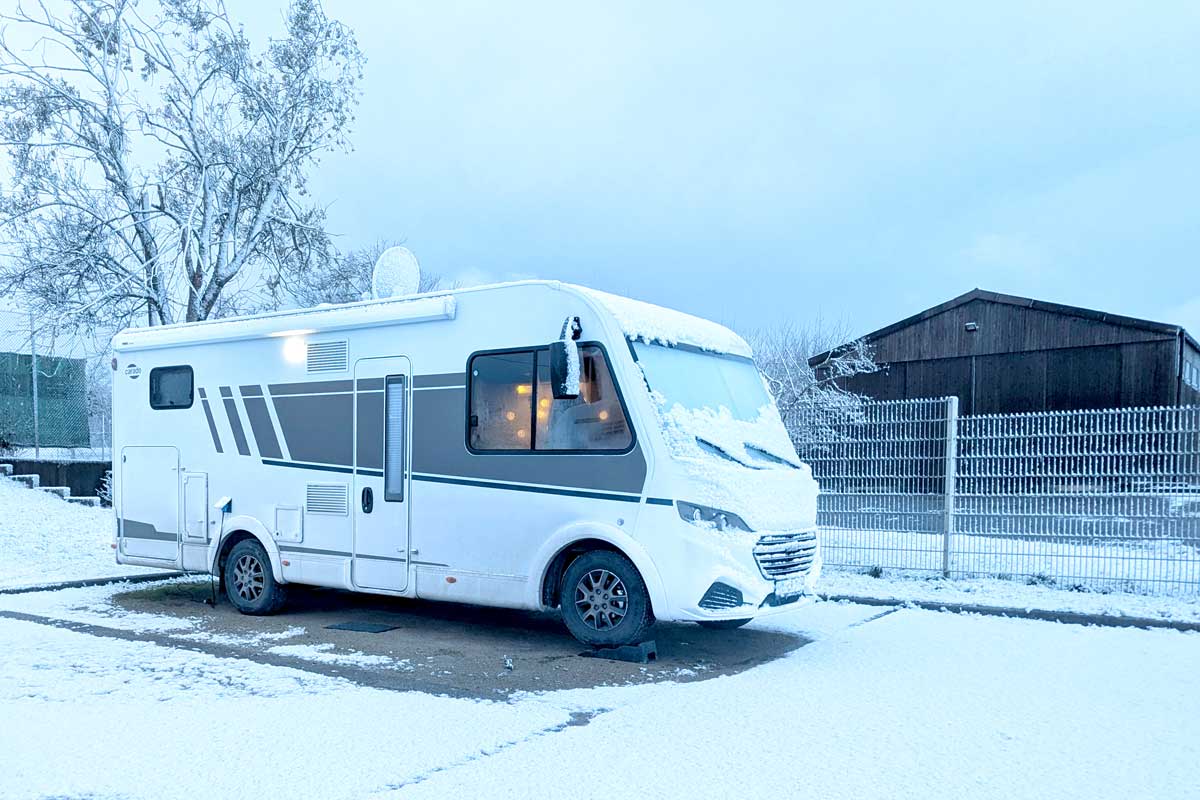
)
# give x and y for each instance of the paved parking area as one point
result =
(444, 648)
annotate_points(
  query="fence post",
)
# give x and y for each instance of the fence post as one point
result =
(951, 473)
(34, 369)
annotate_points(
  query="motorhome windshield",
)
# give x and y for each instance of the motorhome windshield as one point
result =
(697, 379)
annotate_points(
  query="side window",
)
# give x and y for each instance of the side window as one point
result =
(593, 421)
(501, 401)
(393, 437)
(510, 410)
(171, 387)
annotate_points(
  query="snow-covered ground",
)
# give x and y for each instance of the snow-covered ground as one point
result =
(908, 704)
(44, 538)
(904, 587)
(884, 702)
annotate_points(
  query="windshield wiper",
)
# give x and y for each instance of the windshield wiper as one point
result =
(770, 456)
(723, 453)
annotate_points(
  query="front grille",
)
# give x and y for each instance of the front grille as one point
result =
(721, 595)
(786, 555)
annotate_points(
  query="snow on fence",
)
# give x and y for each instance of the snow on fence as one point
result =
(1099, 499)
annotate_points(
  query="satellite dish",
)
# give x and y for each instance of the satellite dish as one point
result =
(396, 274)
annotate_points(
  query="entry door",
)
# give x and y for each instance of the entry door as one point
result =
(381, 483)
(149, 514)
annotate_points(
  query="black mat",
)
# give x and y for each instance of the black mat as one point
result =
(362, 627)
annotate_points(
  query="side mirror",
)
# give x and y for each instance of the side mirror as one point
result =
(564, 369)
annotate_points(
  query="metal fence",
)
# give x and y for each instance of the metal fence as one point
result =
(55, 392)
(1100, 499)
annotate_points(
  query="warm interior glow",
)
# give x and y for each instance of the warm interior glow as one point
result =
(522, 433)
(544, 402)
(603, 415)
(542, 413)
(510, 415)
(524, 388)
(295, 350)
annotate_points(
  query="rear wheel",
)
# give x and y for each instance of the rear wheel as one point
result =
(723, 624)
(250, 583)
(604, 600)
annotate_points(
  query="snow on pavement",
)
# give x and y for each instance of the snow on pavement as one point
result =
(915, 704)
(1007, 593)
(883, 703)
(44, 539)
(93, 717)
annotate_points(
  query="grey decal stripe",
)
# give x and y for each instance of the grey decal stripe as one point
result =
(250, 391)
(370, 384)
(212, 425)
(346, 554)
(439, 381)
(235, 421)
(518, 487)
(202, 393)
(660, 501)
(260, 424)
(132, 529)
(318, 428)
(311, 387)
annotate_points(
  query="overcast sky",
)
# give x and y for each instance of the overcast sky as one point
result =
(775, 160)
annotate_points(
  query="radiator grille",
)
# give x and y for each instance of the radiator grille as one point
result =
(328, 356)
(786, 555)
(328, 498)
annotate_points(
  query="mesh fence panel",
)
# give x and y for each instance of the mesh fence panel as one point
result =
(1098, 499)
(55, 399)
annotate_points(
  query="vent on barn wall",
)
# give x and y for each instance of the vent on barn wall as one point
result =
(328, 357)
(328, 498)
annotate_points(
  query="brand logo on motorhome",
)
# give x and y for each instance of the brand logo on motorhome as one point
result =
(133, 370)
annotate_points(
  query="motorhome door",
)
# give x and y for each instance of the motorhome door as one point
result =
(381, 456)
(149, 512)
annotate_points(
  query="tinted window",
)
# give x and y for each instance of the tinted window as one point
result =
(394, 449)
(510, 410)
(171, 387)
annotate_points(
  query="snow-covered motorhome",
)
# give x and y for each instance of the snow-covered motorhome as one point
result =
(454, 446)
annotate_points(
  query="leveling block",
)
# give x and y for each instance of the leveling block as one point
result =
(642, 653)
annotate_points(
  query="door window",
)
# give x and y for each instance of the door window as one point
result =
(394, 450)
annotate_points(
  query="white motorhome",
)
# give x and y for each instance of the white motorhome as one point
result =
(623, 466)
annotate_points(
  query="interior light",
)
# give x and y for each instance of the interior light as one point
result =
(524, 388)
(541, 413)
(544, 402)
(522, 433)
(295, 350)
(603, 415)
(510, 415)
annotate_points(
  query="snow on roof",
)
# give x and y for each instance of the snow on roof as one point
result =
(651, 323)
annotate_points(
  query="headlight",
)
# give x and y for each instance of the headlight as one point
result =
(704, 516)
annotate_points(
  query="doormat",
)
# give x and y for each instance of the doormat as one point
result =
(362, 627)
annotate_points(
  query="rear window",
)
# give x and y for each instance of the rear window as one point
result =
(171, 387)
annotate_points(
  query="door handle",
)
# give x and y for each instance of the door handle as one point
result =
(368, 500)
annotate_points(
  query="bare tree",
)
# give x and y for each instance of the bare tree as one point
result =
(159, 162)
(345, 278)
(810, 400)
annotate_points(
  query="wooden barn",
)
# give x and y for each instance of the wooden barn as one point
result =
(1001, 354)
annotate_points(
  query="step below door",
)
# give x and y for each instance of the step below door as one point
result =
(149, 513)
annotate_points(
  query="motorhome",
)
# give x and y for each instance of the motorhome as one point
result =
(531, 445)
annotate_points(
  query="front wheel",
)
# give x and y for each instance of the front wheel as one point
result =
(723, 624)
(604, 600)
(249, 581)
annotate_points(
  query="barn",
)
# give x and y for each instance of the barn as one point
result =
(1003, 354)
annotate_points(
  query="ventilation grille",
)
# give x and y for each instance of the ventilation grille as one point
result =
(328, 498)
(720, 596)
(328, 357)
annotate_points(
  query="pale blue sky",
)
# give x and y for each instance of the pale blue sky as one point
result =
(739, 160)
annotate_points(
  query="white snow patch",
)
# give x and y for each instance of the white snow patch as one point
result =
(396, 274)
(327, 654)
(1010, 594)
(44, 539)
(651, 323)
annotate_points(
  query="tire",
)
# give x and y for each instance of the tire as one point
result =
(604, 601)
(250, 584)
(723, 624)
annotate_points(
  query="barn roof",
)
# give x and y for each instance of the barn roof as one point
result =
(1023, 302)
